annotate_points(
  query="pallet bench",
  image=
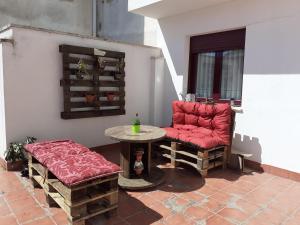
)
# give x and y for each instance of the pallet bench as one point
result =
(201, 160)
(81, 201)
(200, 135)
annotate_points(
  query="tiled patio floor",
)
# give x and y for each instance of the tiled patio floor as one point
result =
(225, 198)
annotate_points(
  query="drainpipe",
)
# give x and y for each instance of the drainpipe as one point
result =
(94, 18)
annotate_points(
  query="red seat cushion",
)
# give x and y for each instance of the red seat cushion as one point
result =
(70, 162)
(204, 125)
(76, 169)
(42, 151)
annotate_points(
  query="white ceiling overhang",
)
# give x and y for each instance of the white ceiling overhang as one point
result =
(166, 8)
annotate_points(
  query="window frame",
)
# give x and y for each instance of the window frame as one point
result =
(215, 42)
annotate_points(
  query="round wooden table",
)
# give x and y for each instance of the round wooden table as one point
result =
(131, 144)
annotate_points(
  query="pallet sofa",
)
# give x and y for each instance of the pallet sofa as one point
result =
(200, 135)
(83, 183)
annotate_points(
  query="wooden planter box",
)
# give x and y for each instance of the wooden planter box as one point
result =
(12, 166)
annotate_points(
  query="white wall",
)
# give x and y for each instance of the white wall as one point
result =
(34, 98)
(2, 107)
(64, 15)
(116, 23)
(269, 126)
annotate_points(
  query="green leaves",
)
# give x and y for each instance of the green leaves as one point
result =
(136, 121)
(15, 150)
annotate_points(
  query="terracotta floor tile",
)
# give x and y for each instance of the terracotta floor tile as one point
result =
(30, 213)
(217, 183)
(129, 207)
(123, 196)
(60, 218)
(268, 216)
(260, 196)
(240, 188)
(212, 204)
(177, 219)
(147, 200)
(103, 220)
(196, 213)
(284, 205)
(42, 221)
(257, 178)
(238, 210)
(16, 195)
(161, 209)
(40, 196)
(279, 182)
(225, 197)
(294, 219)
(221, 196)
(207, 190)
(177, 204)
(4, 209)
(192, 196)
(8, 220)
(161, 195)
(217, 220)
(22, 204)
(143, 218)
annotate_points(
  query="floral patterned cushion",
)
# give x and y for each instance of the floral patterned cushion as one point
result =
(71, 162)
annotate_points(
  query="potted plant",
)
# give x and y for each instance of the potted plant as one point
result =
(90, 97)
(15, 154)
(82, 70)
(136, 125)
(110, 96)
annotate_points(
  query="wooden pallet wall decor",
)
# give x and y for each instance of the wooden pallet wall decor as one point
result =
(93, 82)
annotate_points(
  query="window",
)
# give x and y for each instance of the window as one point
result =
(216, 66)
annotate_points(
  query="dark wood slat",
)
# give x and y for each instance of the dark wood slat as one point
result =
(100, 93)
(93, 113)
(75, 60)
(72, 55)
(91, 83)
(117, 83)
(69, 71)
(110, 63)
(89, 51)
(112, 103)
(102, 103)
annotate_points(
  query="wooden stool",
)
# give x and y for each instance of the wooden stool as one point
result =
(241, 156)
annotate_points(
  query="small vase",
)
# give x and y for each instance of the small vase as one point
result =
(135, 129)
(110, 97)
(90, 99)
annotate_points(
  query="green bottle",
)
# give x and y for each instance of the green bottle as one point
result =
(136, 124)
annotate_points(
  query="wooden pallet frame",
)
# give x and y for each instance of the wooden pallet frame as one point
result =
(106, 70)
(80, 202)
(201, 159)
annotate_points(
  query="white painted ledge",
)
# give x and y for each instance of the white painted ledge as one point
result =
(237, 109)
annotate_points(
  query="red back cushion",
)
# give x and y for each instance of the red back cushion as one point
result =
(216, 117)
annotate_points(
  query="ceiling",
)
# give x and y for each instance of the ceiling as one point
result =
(165, 8)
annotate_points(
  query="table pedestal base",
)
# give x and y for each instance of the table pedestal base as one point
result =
(157, 177)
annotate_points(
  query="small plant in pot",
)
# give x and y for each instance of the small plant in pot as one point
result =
(136, 125)
(110, 96)
(15, 154)
(82, 70)
(90, 97)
